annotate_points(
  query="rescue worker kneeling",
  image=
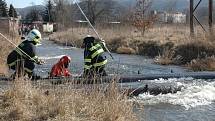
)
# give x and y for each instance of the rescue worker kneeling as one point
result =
(94, 58)
(22, 59)
(60, 69)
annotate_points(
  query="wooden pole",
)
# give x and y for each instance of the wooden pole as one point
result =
(211, 16)
(191, 19)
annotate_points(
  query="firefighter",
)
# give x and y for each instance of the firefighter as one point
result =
(60, 69)
(94, 58)
(22, 59)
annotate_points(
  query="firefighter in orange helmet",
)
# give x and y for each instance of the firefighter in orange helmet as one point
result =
(60, 69)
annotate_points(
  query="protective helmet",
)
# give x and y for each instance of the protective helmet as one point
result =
(89, 39)
(35, 36)
(65, 59)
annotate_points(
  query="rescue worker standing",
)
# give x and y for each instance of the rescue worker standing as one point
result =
(94, 58)
(61, 68)
(22, 59)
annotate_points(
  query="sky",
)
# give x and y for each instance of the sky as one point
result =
(24, 3)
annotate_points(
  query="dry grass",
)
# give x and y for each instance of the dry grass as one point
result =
(207, 64)
(5, 49)
(24, 102)
(127, 36)
(125, 50)
(170, 44)
(166, 58)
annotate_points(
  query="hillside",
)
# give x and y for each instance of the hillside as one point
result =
(24, 11)
(160, 5)
(178, 5)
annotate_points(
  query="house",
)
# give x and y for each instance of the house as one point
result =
(172, 17)
(44, 27)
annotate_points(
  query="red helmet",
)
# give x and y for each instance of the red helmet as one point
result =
(65, 59)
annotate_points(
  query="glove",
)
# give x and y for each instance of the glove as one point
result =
(40, 62)
(103, 42)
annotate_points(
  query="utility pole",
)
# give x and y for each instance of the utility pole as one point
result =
(191, 18)
(211, 16)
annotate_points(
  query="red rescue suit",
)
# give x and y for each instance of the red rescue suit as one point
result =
(61, 68)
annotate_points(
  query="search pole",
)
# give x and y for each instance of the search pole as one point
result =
(94, 29)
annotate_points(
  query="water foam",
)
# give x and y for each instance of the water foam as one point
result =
(53, 57)
(192, 95)
(68, 48)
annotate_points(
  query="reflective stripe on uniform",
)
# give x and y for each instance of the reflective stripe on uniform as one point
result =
(95, 47)
(87, 67)
(87, 60)
(97, 53)
(28, 70)
(14, 63)
(100, 64)
(19, 51)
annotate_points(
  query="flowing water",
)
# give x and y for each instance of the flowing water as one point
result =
(194, 103)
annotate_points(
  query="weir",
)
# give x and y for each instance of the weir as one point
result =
(132, 85)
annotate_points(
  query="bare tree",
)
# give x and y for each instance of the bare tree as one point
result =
(63, 12)
(142, 17)
(97, 9)
(171, 5)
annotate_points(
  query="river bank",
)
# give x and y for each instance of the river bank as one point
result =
(168, 45)
(23, 100)
(62, 103)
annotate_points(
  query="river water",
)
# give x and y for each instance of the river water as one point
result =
(194, 103)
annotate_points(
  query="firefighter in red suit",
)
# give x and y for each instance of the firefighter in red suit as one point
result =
(61, 68)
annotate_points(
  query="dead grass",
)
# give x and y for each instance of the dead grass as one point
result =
(207, 64)
(24, 102)
(156, 42)
(167, 58)
(125, 50)
(5, 49)
(127, 36)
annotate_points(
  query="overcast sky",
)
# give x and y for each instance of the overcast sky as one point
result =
(24, 3)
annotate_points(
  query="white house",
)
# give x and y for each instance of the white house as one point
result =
(176, 17)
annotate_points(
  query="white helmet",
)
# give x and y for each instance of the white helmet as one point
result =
(35, 36)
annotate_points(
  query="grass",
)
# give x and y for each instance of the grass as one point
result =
(5, 49)
(127, 36)
(169, 44)
(207, 64)
(166, 58)
(25, 102)
(125, 50)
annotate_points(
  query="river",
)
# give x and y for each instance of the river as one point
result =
(194, 103)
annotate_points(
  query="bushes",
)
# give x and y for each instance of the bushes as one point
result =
(150, 49)
(194, 50)
(207, 64)
(125, 50)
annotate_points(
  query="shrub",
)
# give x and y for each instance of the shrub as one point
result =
(207, 64)
(194, 50)
(125, 50)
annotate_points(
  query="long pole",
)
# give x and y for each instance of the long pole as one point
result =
(191, 19)
(93, 28)
(211, 16)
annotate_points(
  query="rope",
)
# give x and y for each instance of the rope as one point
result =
(93, 28)
(17, 47)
